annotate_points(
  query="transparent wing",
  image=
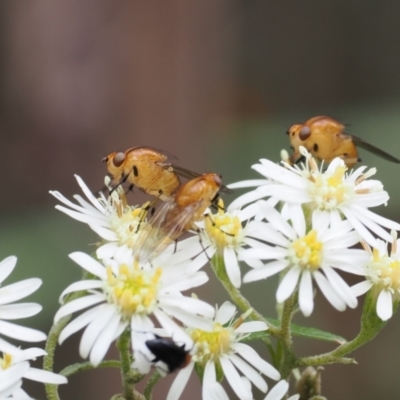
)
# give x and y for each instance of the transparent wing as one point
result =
(166, 225)
(374, 150)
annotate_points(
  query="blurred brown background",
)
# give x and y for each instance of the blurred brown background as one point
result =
(216, 83)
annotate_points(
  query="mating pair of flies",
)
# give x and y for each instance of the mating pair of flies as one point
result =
(184, 204)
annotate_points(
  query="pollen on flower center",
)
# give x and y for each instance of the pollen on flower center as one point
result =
(134, 290)
(211, 345)
(386, 271)
(5, 361)
(331, 190)
(127, 222)
(224, 229)
(306, 251)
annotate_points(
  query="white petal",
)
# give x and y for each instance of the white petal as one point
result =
(359, 227)
(7, 266)
(103, 342)
(278, 391)
(225, 312)
(188, 304)
(264, 253)
(387, 223)
(21, 332)
(80, 286)
(244, 199)
(89, 264)
(285, 193)
(320, 220)
(266, 271)
(188, 318)
(340, 286)
(233, 377)
(77, 305)
(297, 218)
(329, 293)
(266, 232)
(20, 310)
(39, 375)
(249, 354)
(186, 283)
(88, 193)
(249, 372)
(172, 329)
(19, 290)
(252, 326)
(94, 329)
(384, 305)
(278, 222)
(232, 267)
(180, 382)
(104, 233)
(248, 183)
(288, 284)
(13, 374)
(361, 288)
(306, 296)
(106, 250)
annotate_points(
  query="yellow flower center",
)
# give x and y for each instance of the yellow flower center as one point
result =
(329, 191)
(134, 290)
(306, 251)
(386, 271)
(211, 345)
(5, 362)
(128, 222)
(223, 229)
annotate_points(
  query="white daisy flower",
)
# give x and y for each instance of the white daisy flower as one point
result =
(8, 311)
(330, 194)
(307, 255)
(14, 366)
(127, 295)
(116, 222)
(225, 235)
(219, 349)
(382, 272)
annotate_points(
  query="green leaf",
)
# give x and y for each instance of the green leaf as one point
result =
(255, 336)
(311, 333)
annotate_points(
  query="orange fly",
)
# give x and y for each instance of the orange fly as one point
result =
(325, 138)
(177, 215)
(147, 169)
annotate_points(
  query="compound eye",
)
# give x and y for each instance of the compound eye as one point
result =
(118, 159)
(304, 133)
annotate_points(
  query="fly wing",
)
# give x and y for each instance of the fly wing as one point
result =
(186, 173)
(374, 150)
(163, 228)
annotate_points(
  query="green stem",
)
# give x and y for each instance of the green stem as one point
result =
(218, 266)
(288, 359)
(51, 343)
(148, 390)
(371, 324)
(50, 348)
(85, 366)
(128, 376)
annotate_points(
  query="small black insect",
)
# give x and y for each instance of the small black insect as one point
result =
(167, 351)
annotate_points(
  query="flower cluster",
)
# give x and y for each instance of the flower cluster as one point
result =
(14, 362)
(304, 222)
